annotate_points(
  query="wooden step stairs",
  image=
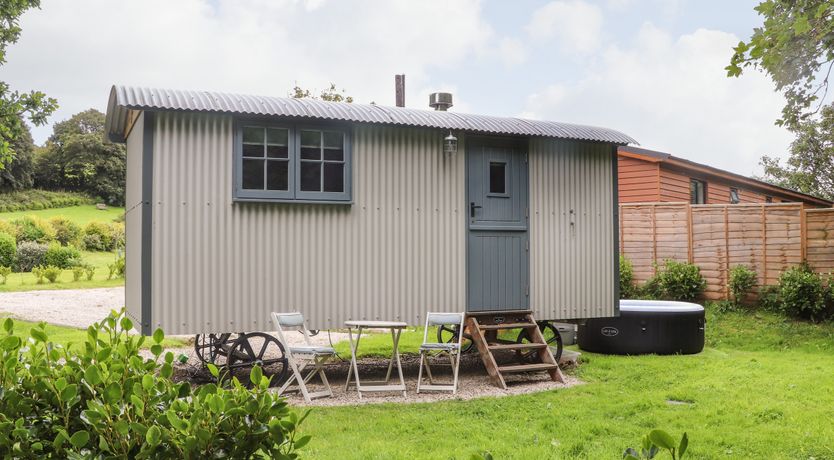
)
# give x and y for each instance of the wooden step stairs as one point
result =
(484, 328)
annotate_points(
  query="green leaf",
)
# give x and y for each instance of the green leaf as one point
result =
(147, 382)
(801, 25)
(38, 334)
(158, 335)
(255, 374)
(156, 349)
(126, 324)
(92, 375)
(79, 439)
(8, 325)
(302, 441)
(10, 342)
(683, 445)
(166, 371)
(213, 370)
(113, 393)
(69, 392)
(662, 439)
(153, 436)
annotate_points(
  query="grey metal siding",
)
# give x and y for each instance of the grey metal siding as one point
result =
(133, 222)
(571, 229)
(395, 253)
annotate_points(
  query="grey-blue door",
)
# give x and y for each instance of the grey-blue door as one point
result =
(497, 245)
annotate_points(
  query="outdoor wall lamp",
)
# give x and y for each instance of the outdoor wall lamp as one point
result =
(450, 144)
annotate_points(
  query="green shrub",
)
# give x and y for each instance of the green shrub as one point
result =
(30, 255)
(103, 399)
(8, 227)
(23, 200)
(652, 289)
(741, 283)
(769, 299)
(62, 256)
(51, 273)
(8, 250)
(681, 281)
(77, 272)
(627, 290)
(655, 442)
(117, 235)
(89, 271)
(116, 268)
(802, 293)
(33, 228)
(98, 236)
(92, 242)
(4, 274)
(67, 232)
(38, 273)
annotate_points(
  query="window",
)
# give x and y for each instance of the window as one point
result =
(497, 178)
(697, 192)
(734, 196)
(768, 199)
(288, 163)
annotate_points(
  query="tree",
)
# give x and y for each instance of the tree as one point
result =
(795, 47)
(77, 158)
(810, 167)
(15, 106)
(19, 173)
(330, 94)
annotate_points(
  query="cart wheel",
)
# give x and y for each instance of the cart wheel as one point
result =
(212, 347)
(257, 348)
(448, 334)
(551, 336)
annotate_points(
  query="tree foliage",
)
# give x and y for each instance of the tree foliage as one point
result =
(14, 105)
(19, 172)
(331, 94)
(795, 47)
(78, 158)
(810, 166)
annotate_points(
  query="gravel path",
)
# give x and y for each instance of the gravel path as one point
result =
(71, 307)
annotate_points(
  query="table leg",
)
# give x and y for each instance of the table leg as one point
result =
(391, 362)
(353, 366)
(397, 355)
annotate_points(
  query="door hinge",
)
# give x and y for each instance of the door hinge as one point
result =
(527, 245)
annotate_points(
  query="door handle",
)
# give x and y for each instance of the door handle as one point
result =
(472, 208)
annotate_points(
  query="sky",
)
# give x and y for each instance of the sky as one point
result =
(653, 69)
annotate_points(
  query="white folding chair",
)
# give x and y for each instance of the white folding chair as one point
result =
(300, 357)
(452, 349)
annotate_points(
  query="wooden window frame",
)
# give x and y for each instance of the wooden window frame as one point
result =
(703, 190)
(737, 199)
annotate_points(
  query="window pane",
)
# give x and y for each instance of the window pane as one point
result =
(276, 136)
(253, 150)
(334, 177)
(277, 174)
(253, 134)
(734, 196)
(334, 154)
(277, 151)
(311, 153)
(311, 138)
(310, 176)
(497, 177)
(333, 140)
(253, 174)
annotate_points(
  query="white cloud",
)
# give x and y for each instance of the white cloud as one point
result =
(74, 50)
(673, 95)
(511, 51)
(575, 24)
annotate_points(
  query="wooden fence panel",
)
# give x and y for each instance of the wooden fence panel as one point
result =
(768, 238)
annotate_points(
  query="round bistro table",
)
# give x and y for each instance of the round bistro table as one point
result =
(396, 328)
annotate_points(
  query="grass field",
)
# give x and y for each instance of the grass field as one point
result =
(763, 388)
(81, 215)
(69, 335)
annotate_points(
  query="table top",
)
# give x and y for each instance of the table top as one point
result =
(379, 324)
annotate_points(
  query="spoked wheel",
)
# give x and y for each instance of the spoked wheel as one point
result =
(551, 336)
(449, 334)
(257, 348)
(212, 348)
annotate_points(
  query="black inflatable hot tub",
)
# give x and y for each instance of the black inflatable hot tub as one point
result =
(646, 326)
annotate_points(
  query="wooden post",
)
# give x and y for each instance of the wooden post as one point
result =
(622, 232)
(764, 245)
(654, 239)
(690, 256)
(803, 232)
(726, 254)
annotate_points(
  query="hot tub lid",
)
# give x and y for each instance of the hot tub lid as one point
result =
(658, 306)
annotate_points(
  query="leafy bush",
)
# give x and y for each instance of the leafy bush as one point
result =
(89, 271)
(33, 228)
(92, 242)
(98, 236)
(627, 289)
(77, 272)
(62, 256)
(51, 273)
(8, 227)
(67, 232)
(802, 293)
(681, 281)
(4, 274)
(24, 200)
(116, 268)
(30, 255)
(8, 250)
(117, 235)
(741, 283)
(104, 400)
(769, 298)
(656, 441)
(38, 273)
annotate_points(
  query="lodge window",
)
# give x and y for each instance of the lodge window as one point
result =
(697, 192)
(290, 163)
(734, 199)
(497, 178)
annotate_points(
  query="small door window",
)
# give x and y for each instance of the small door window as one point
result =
(734, 198)
(497, 178)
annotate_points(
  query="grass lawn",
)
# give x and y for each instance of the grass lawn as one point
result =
(81, 215)
(100, 260)
(70, 335)
(763, 388)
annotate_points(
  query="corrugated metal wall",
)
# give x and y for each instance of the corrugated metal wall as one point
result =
(396, 253)
(571, 253)
(133, 222)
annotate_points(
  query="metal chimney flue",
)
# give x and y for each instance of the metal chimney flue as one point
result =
(399, 89)
(440, 101)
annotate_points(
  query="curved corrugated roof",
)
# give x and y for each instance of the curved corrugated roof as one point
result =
(124, 98)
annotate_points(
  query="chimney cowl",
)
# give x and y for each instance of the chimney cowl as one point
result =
(440, 101)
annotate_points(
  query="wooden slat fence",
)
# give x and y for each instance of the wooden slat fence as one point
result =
(767, 238)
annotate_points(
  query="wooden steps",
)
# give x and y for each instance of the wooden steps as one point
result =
(484, 327)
